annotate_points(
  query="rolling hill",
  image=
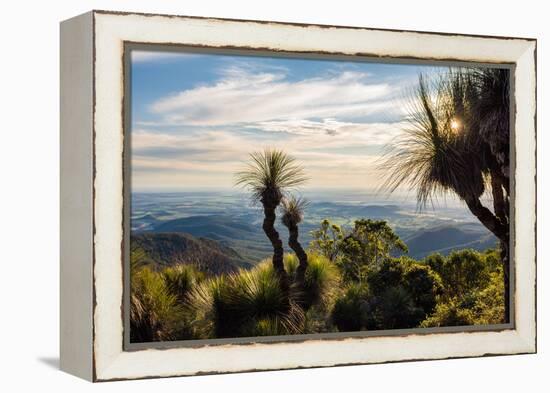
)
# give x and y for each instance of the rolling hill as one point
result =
(174, 248)
(213, 227)
(446, 239)
(249, 241)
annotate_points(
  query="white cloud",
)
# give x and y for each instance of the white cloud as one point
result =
(211, 157)
(244, 96)
(340, 131)
(331, 124)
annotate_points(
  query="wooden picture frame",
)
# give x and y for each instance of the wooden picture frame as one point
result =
(94, 186)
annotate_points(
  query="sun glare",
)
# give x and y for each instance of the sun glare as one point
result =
(455, 125)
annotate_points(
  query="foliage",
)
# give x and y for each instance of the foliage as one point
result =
(400, 293)
(245, 303)
(403, 292)
(327, 240)
(449, 314)
(322, 280)
(251, 302)
(154, 311)
(473, 289)
(458, 140)
(462, 272)
(356, 251)
(180, 279)
(179, 302)
(350, 312)
(441, 149)
(293, 210)
(270, 172)
(489, 303)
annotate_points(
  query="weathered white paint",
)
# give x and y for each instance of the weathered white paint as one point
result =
(76, 304)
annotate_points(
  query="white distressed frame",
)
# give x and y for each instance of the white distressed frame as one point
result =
(109, 360)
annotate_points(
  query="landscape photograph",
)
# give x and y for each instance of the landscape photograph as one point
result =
(277, 196)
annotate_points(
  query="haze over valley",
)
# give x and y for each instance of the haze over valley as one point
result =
(230, 219)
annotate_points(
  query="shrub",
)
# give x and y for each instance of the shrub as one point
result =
(350, 310)
(154, 311)
(322, 281)
(461, 272)
(207, 300)
(246, 303)
(489, 304)
(449, 314)
(394, 309)
(423, 284)
(180, 279)
(403, 293)
(399, 294)
(473, 289)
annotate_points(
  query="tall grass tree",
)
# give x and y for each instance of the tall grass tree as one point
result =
(457, 140)
(268, 175)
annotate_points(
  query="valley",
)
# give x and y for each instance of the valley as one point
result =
(231, 220)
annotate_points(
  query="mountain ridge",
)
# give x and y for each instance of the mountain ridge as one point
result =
(170, 248)
(250, 242)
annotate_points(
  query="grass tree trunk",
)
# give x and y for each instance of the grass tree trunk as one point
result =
(499, 201)
(300, 253)
(278, 251)
(501, 230)
(501, 209)
(487, 218)
(505, 257)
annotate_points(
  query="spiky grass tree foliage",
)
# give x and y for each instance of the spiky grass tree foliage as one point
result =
(180, 279)
(154, 311)
(258, 294)
(267, 176)
(213, 316)
(159, 307)
(430, 156)
(457, 138)
(293, 213)
(321, 280)
(247, 303)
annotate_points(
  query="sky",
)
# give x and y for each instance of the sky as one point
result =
(195, 118)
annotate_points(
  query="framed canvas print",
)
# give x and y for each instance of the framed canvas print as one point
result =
(245, 195)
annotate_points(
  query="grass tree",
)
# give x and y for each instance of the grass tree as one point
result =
(457, 140)
(293, 214)
(268, 175)
(154, 312)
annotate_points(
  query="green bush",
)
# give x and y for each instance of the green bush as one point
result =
(246, 303)
(462, 272)
(322, 281)
(473, 289)
(179, 302)
(155, 313)
(350, 312)
(180, 280)
(401, 293)
(489, 304)
(449, 313)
